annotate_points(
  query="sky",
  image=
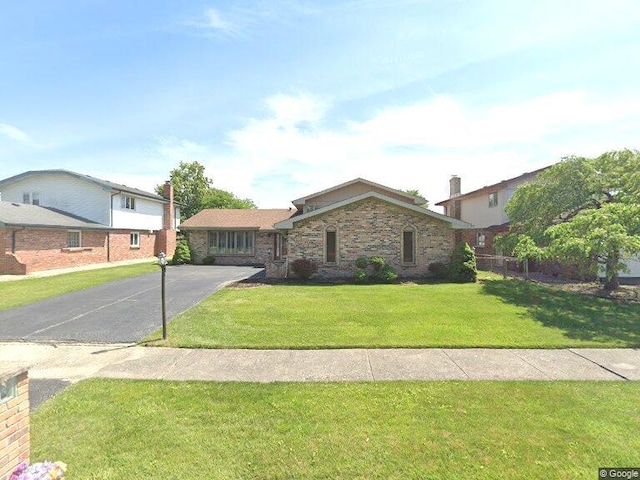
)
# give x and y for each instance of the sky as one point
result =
(279, 99)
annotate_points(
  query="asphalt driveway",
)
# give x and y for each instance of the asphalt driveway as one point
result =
(124, 311)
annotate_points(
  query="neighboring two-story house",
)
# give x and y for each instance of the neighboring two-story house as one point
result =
(58, 218)
(333, 228)
(484, 209)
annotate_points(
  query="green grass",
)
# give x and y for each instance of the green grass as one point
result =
(21, 292)
(112, 429)
(494, 313)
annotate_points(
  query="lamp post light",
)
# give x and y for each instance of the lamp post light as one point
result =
(162, 261)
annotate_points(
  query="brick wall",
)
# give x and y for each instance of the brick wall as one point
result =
(371, 227)
(120, 248)
(14, 426)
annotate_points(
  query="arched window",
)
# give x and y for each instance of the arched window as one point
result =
(331, 245)
(409, 245)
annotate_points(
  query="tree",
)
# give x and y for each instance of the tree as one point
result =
(581, 209)
(416, 193)
(216, 198)
(463, 264)
(189, 187)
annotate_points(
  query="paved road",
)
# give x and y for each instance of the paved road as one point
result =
(124, 311)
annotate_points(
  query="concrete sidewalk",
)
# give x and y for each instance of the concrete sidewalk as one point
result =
(73, 362)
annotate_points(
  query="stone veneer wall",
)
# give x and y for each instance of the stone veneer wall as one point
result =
(14, 424)
(371, 227)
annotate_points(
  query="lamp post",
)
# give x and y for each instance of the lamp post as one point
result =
(162, 261)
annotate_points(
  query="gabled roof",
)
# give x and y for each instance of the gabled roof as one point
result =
(34, 216)
(102, 183)
(496, 186)
(235, 218)
(456, 224)
(415, 200)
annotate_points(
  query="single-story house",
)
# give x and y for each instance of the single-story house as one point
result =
(333, 228)
(57, 219)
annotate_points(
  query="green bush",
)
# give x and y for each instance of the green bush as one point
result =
(304, 268)
(361, 276)
(362, 262)
(387, 274)
(209, 260)
(182, 254)
(438, 270)
(377, 262)
(463, 264)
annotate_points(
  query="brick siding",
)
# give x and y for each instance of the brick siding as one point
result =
(37, 250)
(14, 428)
(371, 227)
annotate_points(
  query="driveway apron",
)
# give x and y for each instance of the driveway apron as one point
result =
(123, 311)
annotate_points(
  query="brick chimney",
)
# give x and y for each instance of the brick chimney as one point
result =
(169, 210)
(166, 238)
(454, 186)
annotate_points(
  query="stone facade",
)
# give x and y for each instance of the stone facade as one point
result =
(14, 423)
(371, 227)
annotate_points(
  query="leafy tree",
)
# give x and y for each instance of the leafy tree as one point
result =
(194, 191)
(580, 209)
(216, 198)
(189, 187)
(416, 193)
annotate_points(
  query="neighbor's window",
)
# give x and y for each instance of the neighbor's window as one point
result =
(128, 203)
(134, 239)
(409, 246)
(493, 199)
(74, 239)
(331, 245)
(230, 242)
(31, 197)
(480, 239)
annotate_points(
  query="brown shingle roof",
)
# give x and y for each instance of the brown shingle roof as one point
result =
(231, 218)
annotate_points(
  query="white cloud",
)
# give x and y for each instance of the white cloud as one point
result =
(212, 21)
(13, 133)
(291, 152)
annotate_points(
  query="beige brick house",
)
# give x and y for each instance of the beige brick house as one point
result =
(332, 227)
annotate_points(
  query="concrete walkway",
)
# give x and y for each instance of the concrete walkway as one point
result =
(71, 363)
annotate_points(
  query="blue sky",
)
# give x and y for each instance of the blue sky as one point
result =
(282, 98)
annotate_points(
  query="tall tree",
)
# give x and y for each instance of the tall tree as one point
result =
(216, 198)
(580, 209)
(190, 186)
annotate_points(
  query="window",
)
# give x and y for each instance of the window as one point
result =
(128, 203)
(493, 199)
(331, 245)
(134, 240)
(480, 239)
(409, 246)
(230, 243)
(277, 246)
(74, 239)
(31, 198)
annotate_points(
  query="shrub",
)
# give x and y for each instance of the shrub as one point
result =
(387, 274)
(438, 270)
(362, 262)
(304, 268)
(463, 264)
(377, 262)
(209, 260)
(361, 276)
(182, 254)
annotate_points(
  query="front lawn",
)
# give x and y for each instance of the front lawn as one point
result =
(112, 429)
(21, 292)
(493, 313)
